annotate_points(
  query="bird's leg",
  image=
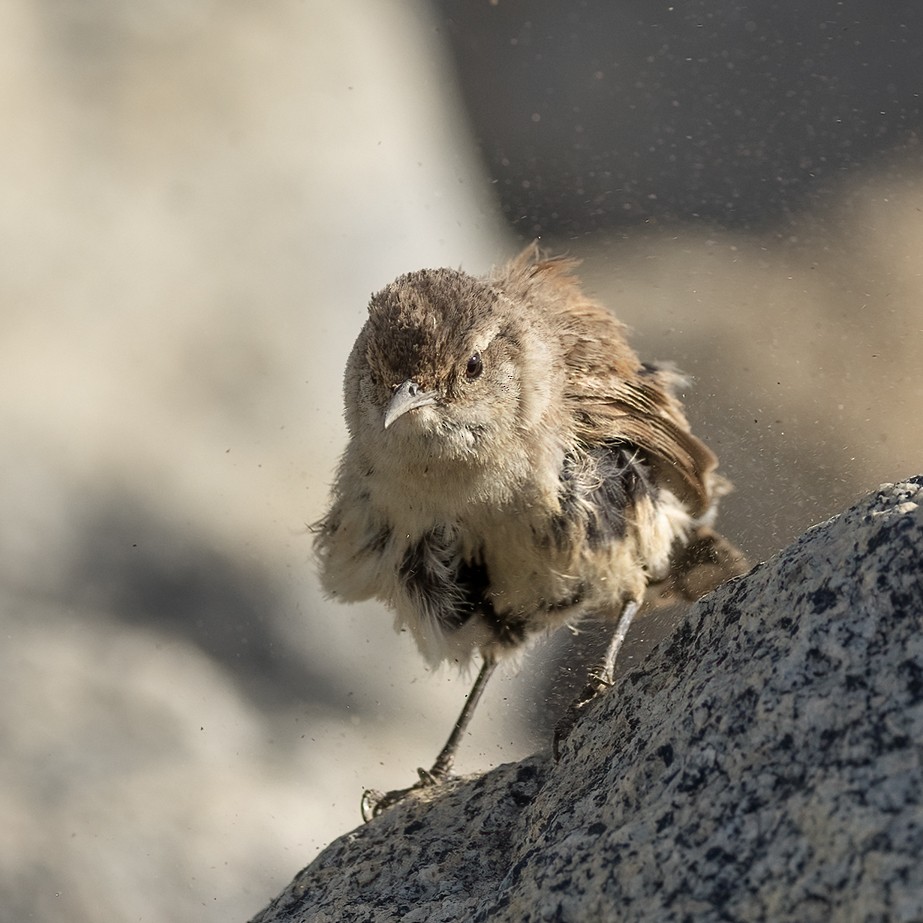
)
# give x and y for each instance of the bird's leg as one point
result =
(374, 802)
(604, 673)
(599, 679)
(443, 766)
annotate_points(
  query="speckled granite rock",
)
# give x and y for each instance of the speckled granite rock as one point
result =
(765, 763)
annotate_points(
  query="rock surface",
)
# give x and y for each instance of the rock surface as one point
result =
(766, 762)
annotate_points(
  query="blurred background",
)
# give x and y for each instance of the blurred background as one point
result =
(196, 201)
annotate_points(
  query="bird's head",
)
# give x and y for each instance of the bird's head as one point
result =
(447, 366)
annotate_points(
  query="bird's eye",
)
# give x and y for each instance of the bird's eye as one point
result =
(474, 367)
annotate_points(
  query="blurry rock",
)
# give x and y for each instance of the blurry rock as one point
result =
(198, 202)
(127, 759)
(738, 112)
(763, 763)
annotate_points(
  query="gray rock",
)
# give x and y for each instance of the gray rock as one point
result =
(764, 763)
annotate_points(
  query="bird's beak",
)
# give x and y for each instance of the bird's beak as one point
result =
(408, 396)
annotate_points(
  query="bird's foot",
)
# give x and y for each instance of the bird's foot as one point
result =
(375, 802)
(597, 684)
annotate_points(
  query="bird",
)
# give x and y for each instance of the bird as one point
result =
(512, 467)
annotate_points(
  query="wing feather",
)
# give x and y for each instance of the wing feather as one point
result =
(613, 396)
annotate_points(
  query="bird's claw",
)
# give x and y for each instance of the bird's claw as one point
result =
(375, 802)
(597, 685)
